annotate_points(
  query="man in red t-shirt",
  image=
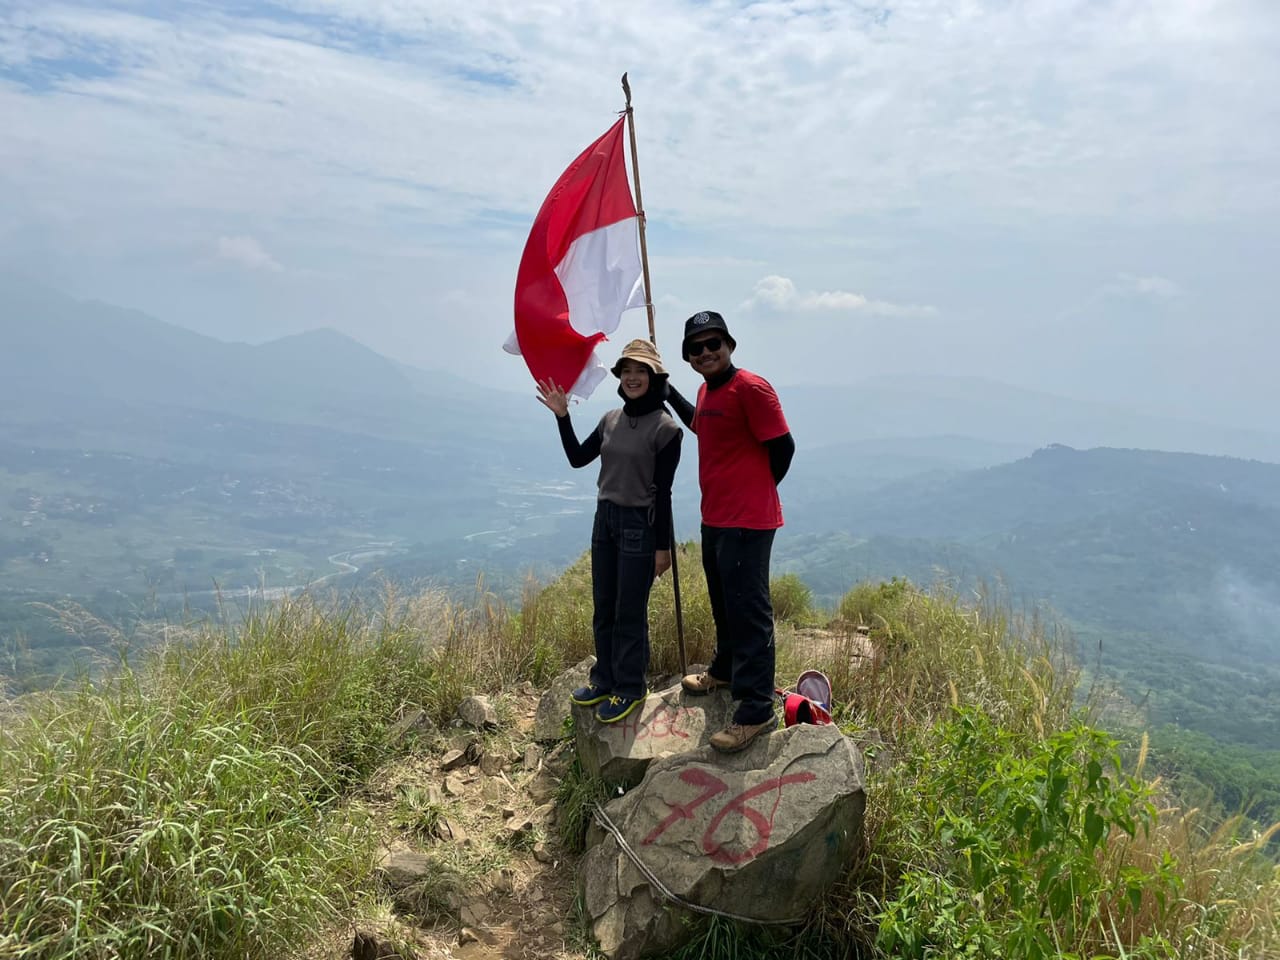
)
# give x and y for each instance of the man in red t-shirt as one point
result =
(744, 451)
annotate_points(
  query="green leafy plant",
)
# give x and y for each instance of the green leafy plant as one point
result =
(1024, 834)
(416, 813)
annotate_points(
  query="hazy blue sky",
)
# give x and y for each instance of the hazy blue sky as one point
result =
(1076, 195)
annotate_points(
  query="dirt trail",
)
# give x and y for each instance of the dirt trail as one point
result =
(491, 891)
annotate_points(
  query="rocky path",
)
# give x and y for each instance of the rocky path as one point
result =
(471, 863)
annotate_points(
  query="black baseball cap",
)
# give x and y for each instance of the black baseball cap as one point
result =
(704, 321)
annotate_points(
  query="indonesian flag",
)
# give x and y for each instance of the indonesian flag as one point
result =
(580, 269)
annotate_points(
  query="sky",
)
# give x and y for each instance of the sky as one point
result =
(1077, 196)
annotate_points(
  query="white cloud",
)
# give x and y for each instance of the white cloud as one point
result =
(806, 113)
(780, 293)
(247, 252)
(995, 158)
(1157, 288)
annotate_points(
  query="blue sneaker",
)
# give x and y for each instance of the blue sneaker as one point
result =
(615, 708)
(589, 695)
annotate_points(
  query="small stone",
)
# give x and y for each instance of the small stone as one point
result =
(491, 790)
(545, 813)
(542, 788)
(508, 813)
(532, 757)
(473, 913)
(557, 928)
(559, 759)
(514, 754)
(463, 739)
(370, 946)
(403, 867)
(453, 760)
(542, 853)
(536, 895)
(478, 713)
(453, 786)
(474, 751)
(491, 765)
(447, 829)
(435, 796)
(467, 935)
(519, 828)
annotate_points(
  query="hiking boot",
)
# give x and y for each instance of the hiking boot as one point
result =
(701, 683)
(589, 695)
(615, 708)
(738, 736)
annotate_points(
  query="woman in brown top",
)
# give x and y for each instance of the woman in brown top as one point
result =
(639, 448)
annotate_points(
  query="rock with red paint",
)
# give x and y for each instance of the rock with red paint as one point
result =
(759, 834)
(671, 721)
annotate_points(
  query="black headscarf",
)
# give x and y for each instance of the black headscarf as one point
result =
(651, 400)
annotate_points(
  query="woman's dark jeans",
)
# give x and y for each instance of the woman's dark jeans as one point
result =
(622, 546)
(736, 562)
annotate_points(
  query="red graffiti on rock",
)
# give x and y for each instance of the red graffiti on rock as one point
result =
(662, 723)
(712, 786)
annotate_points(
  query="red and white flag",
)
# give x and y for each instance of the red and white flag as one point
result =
(580, 269)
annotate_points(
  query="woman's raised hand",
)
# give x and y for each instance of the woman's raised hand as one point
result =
(553, 398)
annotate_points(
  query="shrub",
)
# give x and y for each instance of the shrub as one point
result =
(1023, 834)
(792, 599)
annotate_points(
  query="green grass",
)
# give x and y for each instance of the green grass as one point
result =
(202, 801)
(137, 822)
(193, 805)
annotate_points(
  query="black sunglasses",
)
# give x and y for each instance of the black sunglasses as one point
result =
(696, 347)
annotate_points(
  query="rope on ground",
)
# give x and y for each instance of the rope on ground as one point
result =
(602, 818)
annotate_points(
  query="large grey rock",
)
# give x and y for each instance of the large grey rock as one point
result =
(760, 834)
(671, 721)
(553, 708)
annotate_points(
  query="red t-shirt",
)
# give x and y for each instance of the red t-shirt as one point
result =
(732, 423)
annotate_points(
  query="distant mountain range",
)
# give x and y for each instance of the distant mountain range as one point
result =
(66, 359)
(63, 355)
(899, 408)
(1166, 566)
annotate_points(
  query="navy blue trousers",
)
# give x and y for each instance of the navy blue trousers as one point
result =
(736, 562)
(622, 547)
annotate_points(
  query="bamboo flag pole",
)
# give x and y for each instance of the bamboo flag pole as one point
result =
(635, 171)
(653, 338)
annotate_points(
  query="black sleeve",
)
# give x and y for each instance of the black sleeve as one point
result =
(579, 454)
(664, 475)
(680, 406)
(781, 450)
